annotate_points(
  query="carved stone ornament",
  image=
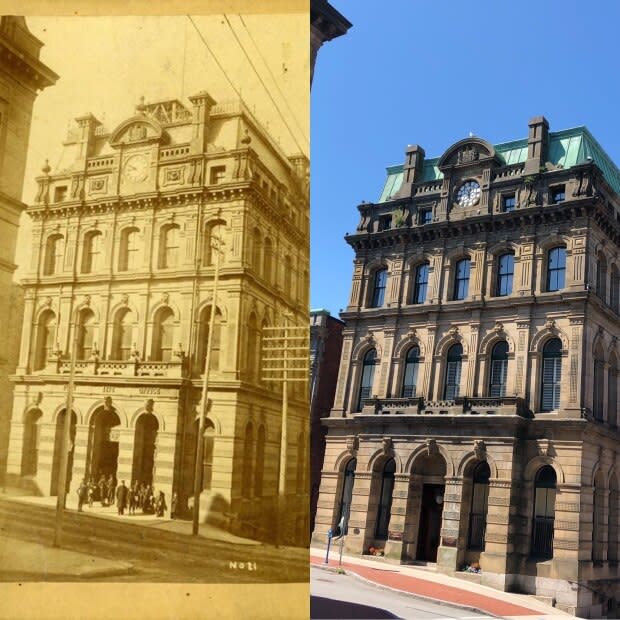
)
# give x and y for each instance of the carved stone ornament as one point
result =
(412, 334)
(95, 352)
(148, 405)
(544, 447)
(480, 449)
(87, 300)
(454, 331)
(499, 328)
(47, 302)
(368, 339)
(467, 155)
(550, 324)
(353, 444)
(387, 446)
(107, 403)
(125, 298)
(165, 297)
(431, 447)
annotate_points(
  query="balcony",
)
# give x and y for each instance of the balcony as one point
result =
(505, 405)
(118, 368)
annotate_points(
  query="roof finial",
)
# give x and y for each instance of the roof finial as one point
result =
(141, 107)
(46, 168)
(471, 134)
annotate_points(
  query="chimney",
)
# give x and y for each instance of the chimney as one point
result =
(87, 125)
(202, 104)
(412, 170)
(536, 145)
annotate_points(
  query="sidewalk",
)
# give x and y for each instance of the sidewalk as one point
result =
(180, 526)
(21, 560)
(427, 583)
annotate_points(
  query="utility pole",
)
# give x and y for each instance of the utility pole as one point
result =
(216, 246)
(61, 498)
(285, 358)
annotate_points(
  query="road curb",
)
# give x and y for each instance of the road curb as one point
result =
(121, 568)
(352, 572)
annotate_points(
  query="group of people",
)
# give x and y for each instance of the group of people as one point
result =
(140, 496)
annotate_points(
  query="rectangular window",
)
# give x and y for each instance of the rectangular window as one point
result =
(385, 223)
(421, 284)
(218, 174)
(556, 269)
(505, 274)
(551, 387)
(425, 216)
(60, 193)
(558, 194)
(461, 279)
(499, 372)
(378, 294)
(453, 380)
(508, 203)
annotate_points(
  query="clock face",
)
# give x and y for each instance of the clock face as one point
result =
(468, 194)
(137, 168)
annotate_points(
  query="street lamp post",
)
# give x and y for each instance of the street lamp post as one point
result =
(216, 245)
(66, 441)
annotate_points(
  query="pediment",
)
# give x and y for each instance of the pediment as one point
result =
(137, 129)
(468, 152)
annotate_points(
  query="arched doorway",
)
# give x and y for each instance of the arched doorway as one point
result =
(430, 472)
(60, 425)
(30, 445)
(145, 442)
(103, 443)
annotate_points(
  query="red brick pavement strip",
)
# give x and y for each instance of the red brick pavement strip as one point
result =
(439, 591)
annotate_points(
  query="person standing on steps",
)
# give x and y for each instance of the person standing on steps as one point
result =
(82, 494)
(121, 497)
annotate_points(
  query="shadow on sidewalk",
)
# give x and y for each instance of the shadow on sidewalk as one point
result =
(322, 608)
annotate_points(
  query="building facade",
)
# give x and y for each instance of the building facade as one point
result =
(22, 76)
(476, 414)
(325, 349)
(122, 272)
(326, 23)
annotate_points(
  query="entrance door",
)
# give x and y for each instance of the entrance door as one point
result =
(103, 444)
(430, 522)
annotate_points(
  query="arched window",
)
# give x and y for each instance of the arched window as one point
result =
(163, 334)
(54, 254)
(368, 375)
(614, 300)
(551, 375)
(599, 383)
(454, 361)
(288, 275)
(248, 448)
(410, 376)
(378, 289)
(203, 339)
(213, 240)
(256, 251)
(46, 335)
(420, 285)
(505, 273)
(544, 512)
(612, 521)
(129, 255)
(461, 279)
(346, 497)
(259, 468)
(92, 252)
(169, 247)
(601, 277)
(479, 506)
(123, 331)
(268, 260)
(207, 455)
(556, 268)
(612, 391)
(86, 334)
(385, 499)
(499, 370)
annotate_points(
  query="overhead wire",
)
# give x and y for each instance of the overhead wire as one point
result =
(293, 116)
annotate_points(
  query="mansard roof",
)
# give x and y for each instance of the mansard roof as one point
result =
(566, 148)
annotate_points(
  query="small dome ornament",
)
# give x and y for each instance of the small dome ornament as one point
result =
(141, 107)
(46, 168)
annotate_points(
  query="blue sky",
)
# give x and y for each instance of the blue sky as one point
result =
(428, 73)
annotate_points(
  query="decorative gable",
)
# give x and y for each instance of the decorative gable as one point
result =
(137, 129)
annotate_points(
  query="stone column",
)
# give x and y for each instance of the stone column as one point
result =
(384, 368)
(472, 362)
(16, 442)
(47, 435)
(431, 364)
(343, 375)
(164, 463)
(125, 455)
(359, 518)
(327, 503)
(497, 548)
(521, 387)
(398, 512)
(447, 554)
(357, 290)
(412, 519)
(80, 453)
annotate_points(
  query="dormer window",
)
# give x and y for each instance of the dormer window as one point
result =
(425, 216)
(508, 203)
(60, 193)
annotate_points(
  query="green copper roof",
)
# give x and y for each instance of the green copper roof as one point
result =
(566, 149)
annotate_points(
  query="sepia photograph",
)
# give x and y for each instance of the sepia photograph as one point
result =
(154, 411)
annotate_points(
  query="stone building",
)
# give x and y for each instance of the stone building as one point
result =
(22, 76)
(122, 271)
(325, 348)
(326, 23)
(476, 413)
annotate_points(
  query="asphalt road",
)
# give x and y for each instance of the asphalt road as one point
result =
(345, 597)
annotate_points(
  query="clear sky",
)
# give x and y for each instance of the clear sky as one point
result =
(428, 73)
